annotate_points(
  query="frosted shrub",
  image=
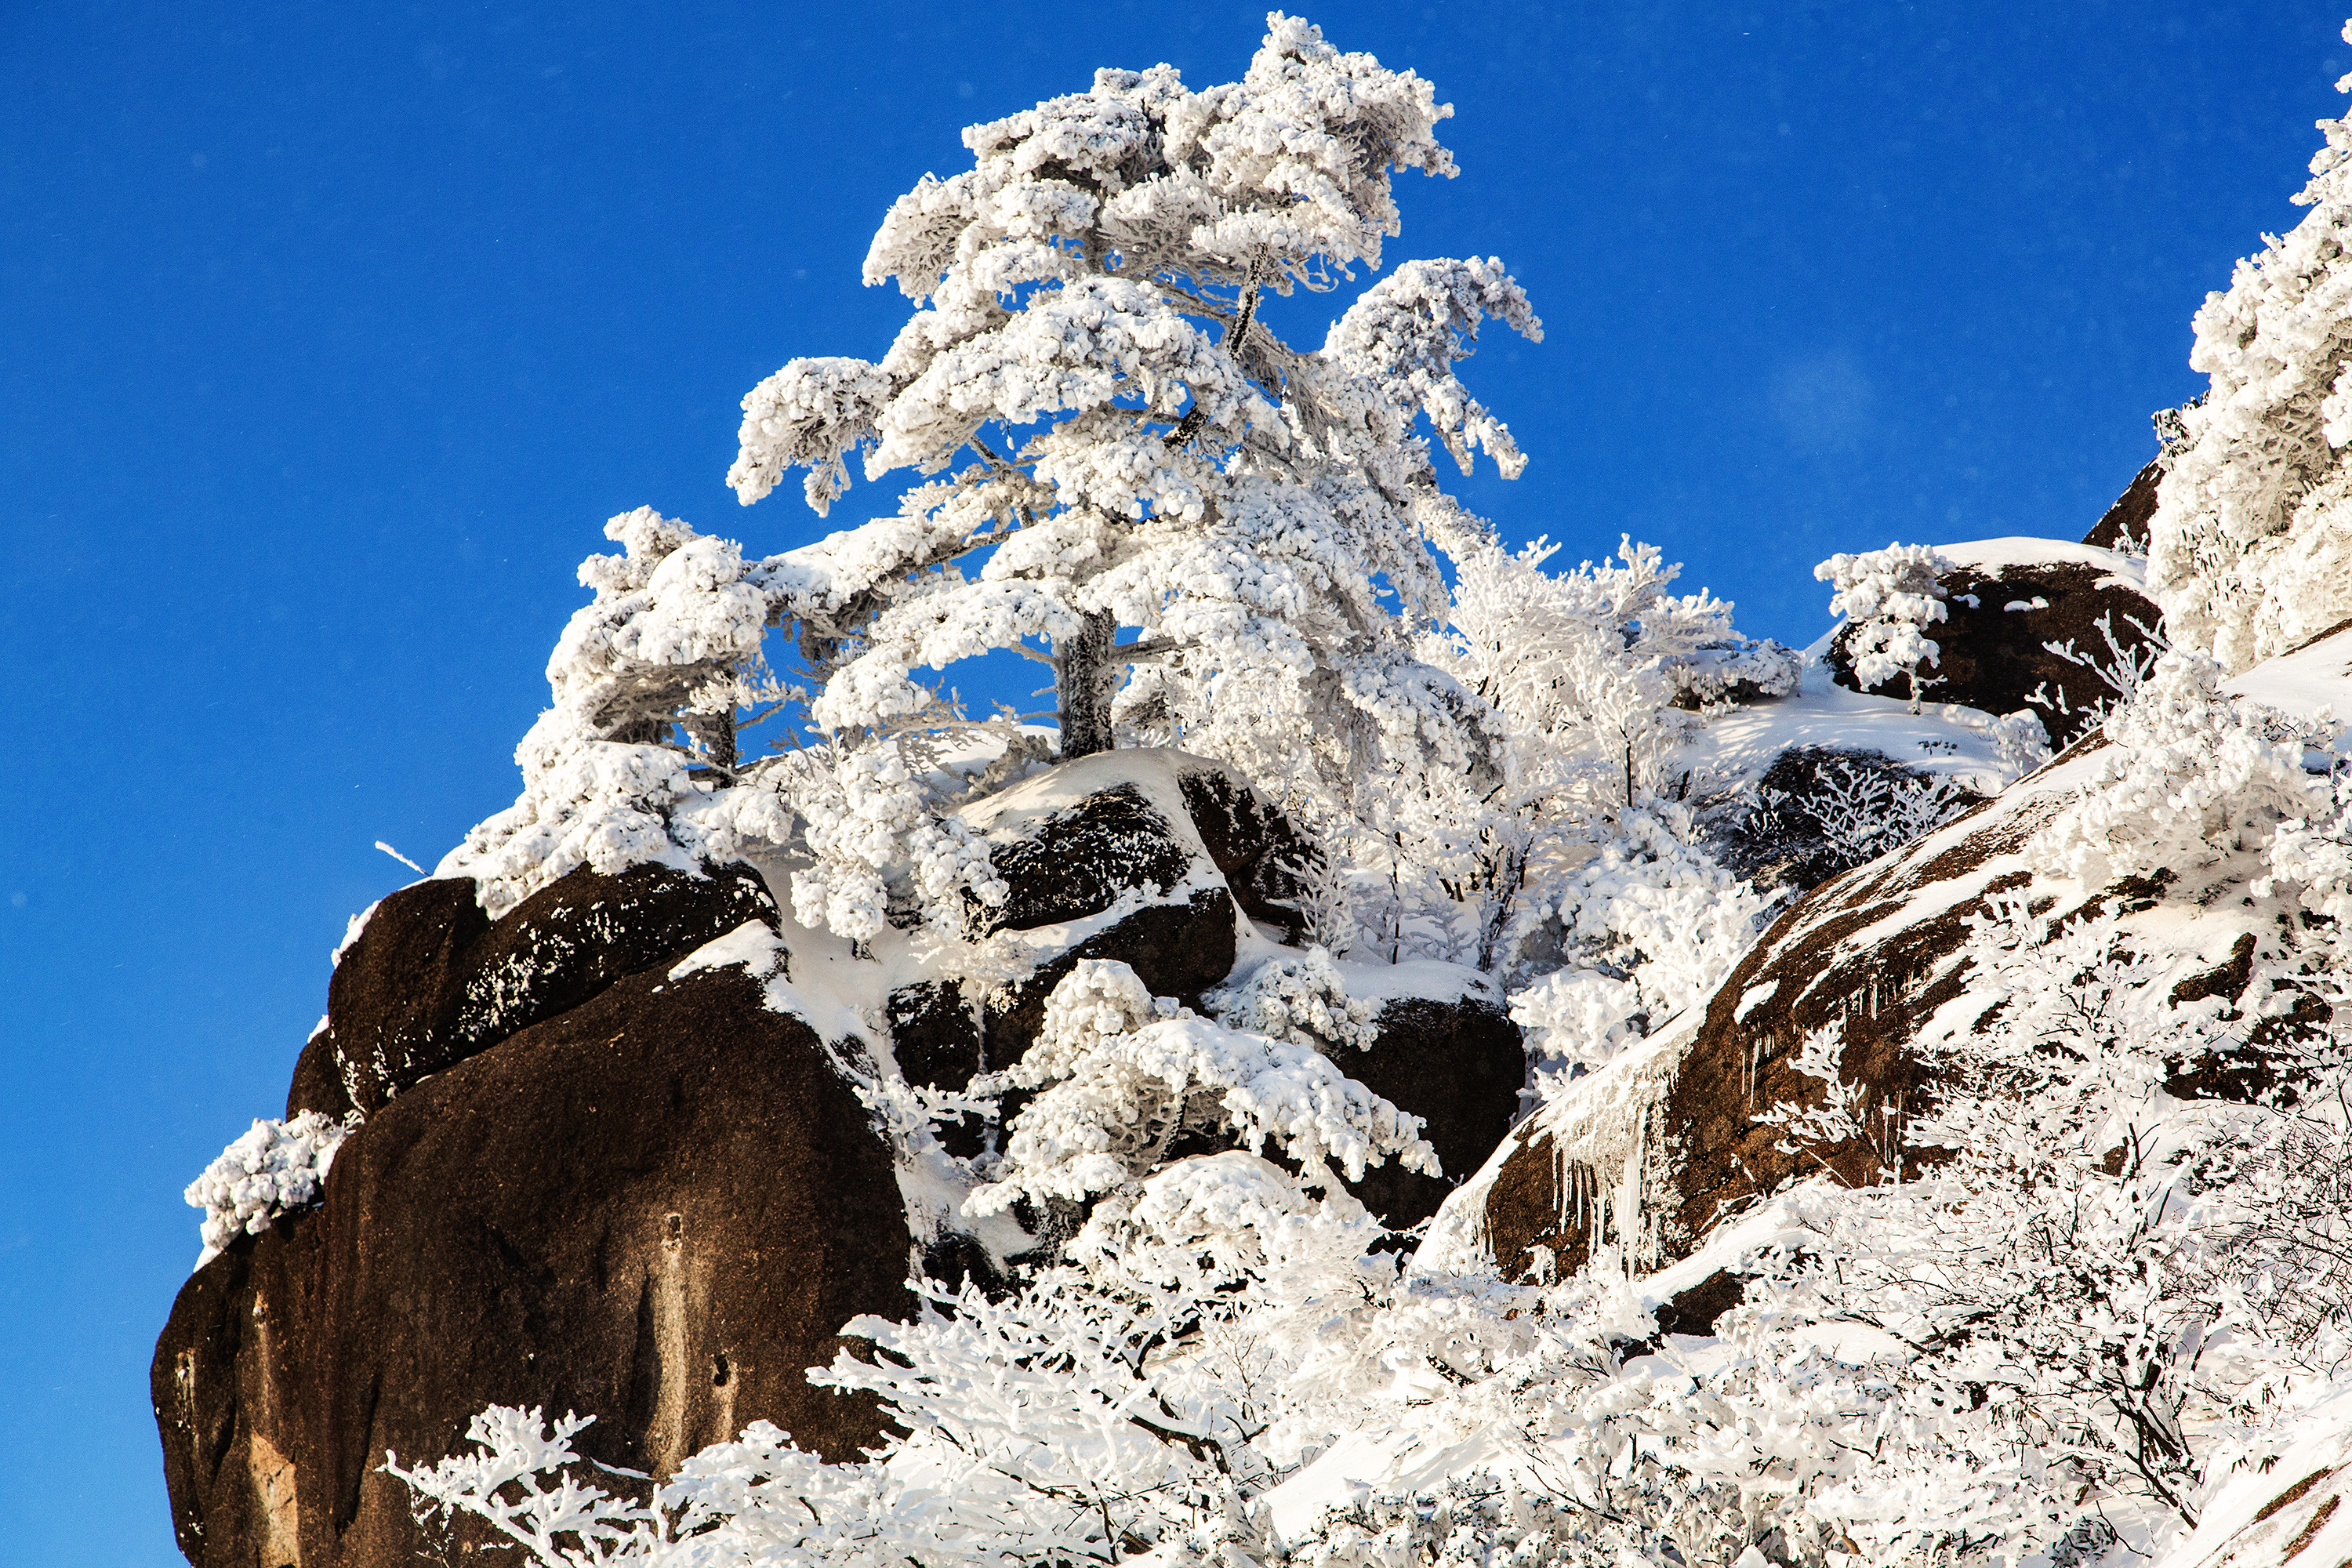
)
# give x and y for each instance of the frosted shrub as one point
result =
(755, 1500)
(2249, 549)
(2122, 670)
(273, 1169)
(1300, 999)
(1121, 1074)
(1655, 905)
(1888, 598)
(1473, 1521)
(1579, 1017)
(2022, 743)
(2190, 775)
(2311, 855)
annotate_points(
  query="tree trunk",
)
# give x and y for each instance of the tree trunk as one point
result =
(716, 733)
(1084, 683)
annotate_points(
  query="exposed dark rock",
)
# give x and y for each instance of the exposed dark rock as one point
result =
(657, 1207)
(1261, 856)
(228, 1391)
(2128, 519)
(396, 989)
(1695, 1310)
(1079, 862)
(430, 980)
(1777, 837)
(935, 1033)
(1457, 1065)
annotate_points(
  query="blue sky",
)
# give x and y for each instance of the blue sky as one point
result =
(329, 337)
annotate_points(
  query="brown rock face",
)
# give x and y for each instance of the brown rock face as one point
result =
(657, 1206)
(2129, 516)
(1870, 956)
(1459, 1066)
(1841, 958)
(431, 981)
(587, 1186)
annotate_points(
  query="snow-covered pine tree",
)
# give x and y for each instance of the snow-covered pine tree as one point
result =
(2249, 550)
(1889, 597)
(1116, 429)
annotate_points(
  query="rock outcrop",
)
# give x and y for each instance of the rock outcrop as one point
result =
(2006, 600)
(429, 980)
(1156, 859)
(590, 1175)
(656, 1200)
(1781, 834)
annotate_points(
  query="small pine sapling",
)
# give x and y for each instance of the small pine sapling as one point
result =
(1889, 597)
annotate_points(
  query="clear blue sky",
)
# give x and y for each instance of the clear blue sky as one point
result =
(330, 335)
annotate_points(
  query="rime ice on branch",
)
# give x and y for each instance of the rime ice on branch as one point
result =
(1113, 424)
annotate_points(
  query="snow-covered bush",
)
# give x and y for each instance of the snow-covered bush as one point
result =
(1474, 1521)
(276, 1167)
(1301, 999)
(2311, 855)
(1888, 598)
(2249, 549)
(1647, 927)
(2022, 743)
(1588, 681)
(1120, 1074)
(2191, 775)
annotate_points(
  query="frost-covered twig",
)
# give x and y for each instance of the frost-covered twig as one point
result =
(274, 1168)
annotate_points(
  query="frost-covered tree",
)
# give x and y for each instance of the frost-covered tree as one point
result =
(1118, 437)
(1585, 682)
(1888, 598)
(647, 679)
(2250, 549)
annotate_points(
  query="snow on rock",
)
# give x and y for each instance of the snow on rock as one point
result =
(2287, 1501)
